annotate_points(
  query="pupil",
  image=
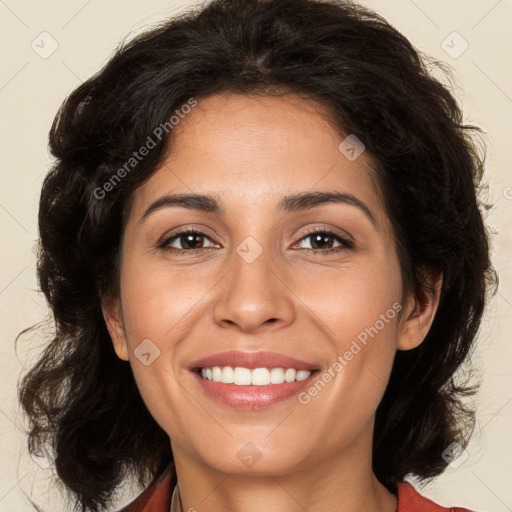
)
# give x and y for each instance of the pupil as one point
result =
(189, 240)
(319, 238)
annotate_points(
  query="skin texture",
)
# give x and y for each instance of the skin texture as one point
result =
(251, 151)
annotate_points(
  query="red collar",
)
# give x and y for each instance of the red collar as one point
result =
(410, 500)
(157, 497)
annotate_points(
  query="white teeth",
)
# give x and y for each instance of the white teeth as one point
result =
(216, 374)
(302, 375)
(242, 376)
(257, 377)
(289, 376)
(260, 377)
(277, 376)
(228, 375)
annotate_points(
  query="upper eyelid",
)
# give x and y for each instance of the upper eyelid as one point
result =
(185, 231)
(167, 239)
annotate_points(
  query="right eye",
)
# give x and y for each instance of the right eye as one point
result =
(185, 239)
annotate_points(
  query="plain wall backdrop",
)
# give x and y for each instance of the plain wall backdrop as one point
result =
(49, 48)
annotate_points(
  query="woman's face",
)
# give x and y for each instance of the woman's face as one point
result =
(257, 285)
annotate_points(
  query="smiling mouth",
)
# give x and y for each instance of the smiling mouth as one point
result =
(240, 376)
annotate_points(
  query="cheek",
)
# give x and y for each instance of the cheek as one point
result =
(352, 298)
(357, 307)
(158, 300)
(159, 305)
(354, 383)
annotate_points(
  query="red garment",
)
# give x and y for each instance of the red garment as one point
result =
(157, 498)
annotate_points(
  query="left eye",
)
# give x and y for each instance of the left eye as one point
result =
(325, 240)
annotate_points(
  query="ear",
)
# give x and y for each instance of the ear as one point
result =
(420, 310)
(112, 314)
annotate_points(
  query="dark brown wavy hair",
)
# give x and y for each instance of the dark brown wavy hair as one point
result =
(80, 397)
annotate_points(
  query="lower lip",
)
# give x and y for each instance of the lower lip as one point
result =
(253, 397)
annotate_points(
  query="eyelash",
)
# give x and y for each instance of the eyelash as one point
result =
(345, 244)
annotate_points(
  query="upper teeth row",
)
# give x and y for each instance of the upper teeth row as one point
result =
(257, 377)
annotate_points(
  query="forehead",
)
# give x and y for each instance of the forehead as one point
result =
(253, 150)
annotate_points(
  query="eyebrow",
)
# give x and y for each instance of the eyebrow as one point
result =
(295, 202)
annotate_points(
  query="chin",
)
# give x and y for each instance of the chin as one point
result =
(251, 458)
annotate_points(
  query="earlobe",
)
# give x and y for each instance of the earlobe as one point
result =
(420, 311)
(112, 314)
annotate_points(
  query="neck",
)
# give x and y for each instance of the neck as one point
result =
(343, 482)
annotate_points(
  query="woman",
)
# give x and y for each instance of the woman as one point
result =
(262, 245)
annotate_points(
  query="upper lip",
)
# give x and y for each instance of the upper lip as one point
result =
(251, 360)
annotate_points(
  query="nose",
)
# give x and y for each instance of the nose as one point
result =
(254, 295)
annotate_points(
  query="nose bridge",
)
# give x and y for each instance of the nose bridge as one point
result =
(253, 294)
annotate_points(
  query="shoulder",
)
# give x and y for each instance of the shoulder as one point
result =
(157, 497)
(410, 500)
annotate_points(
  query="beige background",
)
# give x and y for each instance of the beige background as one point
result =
(31, 90)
